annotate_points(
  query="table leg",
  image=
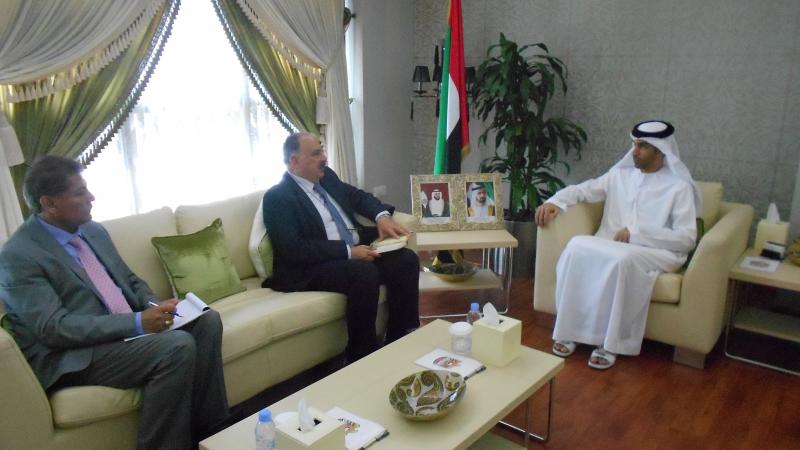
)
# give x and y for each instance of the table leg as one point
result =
(527, 430)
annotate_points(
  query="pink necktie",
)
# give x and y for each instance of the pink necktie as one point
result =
(112, 295)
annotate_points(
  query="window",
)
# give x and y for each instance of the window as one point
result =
(199, 133)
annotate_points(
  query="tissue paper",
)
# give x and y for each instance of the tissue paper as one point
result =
(773, 216)
(490, 315)
(304, 417)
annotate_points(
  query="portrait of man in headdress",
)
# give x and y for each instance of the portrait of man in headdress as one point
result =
(480, 202)
(437, 207)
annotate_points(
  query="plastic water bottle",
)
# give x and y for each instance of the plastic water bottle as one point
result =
(474, 313)
(265, 431)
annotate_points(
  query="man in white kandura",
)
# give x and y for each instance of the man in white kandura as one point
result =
(437, 206)
(604, 282)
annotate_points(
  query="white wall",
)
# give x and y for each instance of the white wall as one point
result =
(385, 46)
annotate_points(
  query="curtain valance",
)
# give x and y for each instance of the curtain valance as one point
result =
(49, 46)
(310, 33)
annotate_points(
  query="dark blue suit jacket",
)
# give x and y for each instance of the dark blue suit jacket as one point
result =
(297, 232)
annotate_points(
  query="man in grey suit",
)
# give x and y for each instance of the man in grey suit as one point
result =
(72, 304)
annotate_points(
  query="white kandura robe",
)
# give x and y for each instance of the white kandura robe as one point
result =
(603, 287)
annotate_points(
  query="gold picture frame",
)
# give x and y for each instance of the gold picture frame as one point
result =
(443, 203)
(482, 201)
(434, 202)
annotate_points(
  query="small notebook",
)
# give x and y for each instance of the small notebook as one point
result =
(359, 432)
(760, 264)
(389, 244)
(188, 310)
(443, 360)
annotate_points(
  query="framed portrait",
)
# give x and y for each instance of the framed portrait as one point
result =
(483, 205)
(434, 202)
(457, 202)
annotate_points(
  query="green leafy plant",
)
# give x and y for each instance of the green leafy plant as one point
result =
(514, 90)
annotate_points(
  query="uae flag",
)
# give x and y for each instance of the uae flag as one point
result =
(452, 136)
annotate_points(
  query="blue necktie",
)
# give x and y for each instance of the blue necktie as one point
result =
(345, 234)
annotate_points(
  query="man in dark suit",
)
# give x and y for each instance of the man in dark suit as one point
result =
(319, 246)
(72, 300)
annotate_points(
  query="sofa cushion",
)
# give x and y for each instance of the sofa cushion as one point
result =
(199, 263)
(256, 317)
(667, 288)
(712, 201)
(131, 234)
(82, 405)
(259, 246)
(237, 215)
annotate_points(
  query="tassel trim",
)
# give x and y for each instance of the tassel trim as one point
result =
(95, 144)
(299, 62)
(252, 73)
(65, 79)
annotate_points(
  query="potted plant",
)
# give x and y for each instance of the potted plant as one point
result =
(511, 93)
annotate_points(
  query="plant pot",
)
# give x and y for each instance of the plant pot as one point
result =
(525, 253)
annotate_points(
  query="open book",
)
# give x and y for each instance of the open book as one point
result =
(360, 433)
(443, 360)
(389, 244)
(187, 311)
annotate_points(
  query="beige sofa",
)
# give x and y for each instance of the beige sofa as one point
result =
(268, 338)
(687, 308)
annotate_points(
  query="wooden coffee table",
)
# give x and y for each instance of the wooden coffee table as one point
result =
(363, 389)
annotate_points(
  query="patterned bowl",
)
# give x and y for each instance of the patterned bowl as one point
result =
(427, 395)
(793, 255)
(451, 271)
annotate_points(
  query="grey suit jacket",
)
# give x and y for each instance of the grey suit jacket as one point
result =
(56, 312)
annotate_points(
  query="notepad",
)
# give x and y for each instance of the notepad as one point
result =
(760, 264)
(443, 360)
(359, 432)
(188, 310)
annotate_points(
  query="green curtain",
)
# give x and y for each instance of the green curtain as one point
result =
(78, 122)
(290, 95)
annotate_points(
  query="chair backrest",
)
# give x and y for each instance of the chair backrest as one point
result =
(712, 201)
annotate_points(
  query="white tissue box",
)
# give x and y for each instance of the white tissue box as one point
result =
(327, 434)
(496, 346)
(770, 232)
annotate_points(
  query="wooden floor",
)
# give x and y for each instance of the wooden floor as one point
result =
(648, 401)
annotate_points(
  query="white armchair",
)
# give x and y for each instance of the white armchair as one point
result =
(687, 308)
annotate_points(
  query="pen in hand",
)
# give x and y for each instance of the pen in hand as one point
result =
(152, 303)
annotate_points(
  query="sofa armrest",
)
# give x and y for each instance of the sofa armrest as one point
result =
(583, 218)
(25, 412)
(705, 282)
(406, 220)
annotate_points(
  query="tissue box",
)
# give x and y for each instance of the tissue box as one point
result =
(770, 232)
(327, 434)
(496, 346)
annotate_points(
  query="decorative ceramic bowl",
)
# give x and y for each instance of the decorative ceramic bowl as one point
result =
(451, 271)
(427, 395)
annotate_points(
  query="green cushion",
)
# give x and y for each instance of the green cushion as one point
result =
(265, 252)
(5, 323)
(199, 263)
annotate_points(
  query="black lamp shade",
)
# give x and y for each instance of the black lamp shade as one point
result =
(421, 74)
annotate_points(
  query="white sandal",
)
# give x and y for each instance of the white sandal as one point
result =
(606, 357)
(569, 345)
